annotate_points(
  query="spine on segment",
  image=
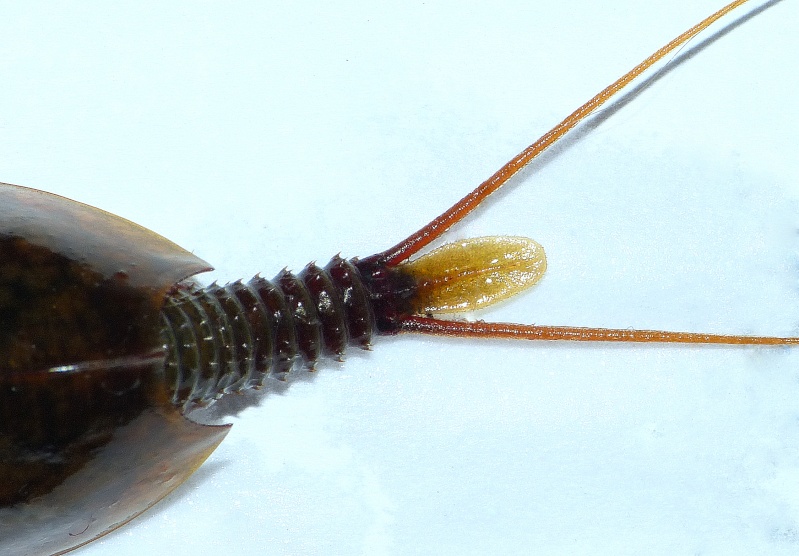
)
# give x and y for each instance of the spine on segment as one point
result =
(221, 339)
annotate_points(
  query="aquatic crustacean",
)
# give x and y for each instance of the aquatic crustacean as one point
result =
(119, 383)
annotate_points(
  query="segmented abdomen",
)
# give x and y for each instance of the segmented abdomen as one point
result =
(220, 339)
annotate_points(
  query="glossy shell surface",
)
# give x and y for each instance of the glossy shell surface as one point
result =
(384, 117)
(87, 437)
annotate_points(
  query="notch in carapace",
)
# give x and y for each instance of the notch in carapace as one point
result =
(107, 340)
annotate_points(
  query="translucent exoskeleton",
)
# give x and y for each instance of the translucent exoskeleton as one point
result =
(278, 424)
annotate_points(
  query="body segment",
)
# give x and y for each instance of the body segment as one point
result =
(288, 358)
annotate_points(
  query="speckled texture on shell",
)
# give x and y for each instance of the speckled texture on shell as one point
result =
(88, 438)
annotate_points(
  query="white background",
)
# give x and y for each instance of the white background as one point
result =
(260, 136)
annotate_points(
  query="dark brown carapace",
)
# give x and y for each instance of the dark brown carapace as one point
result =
(106, 340)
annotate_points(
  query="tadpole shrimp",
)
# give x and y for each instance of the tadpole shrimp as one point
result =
(490, 484)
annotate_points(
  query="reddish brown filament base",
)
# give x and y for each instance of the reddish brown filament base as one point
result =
(499, 330)
(423, 237)
(418, 240)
